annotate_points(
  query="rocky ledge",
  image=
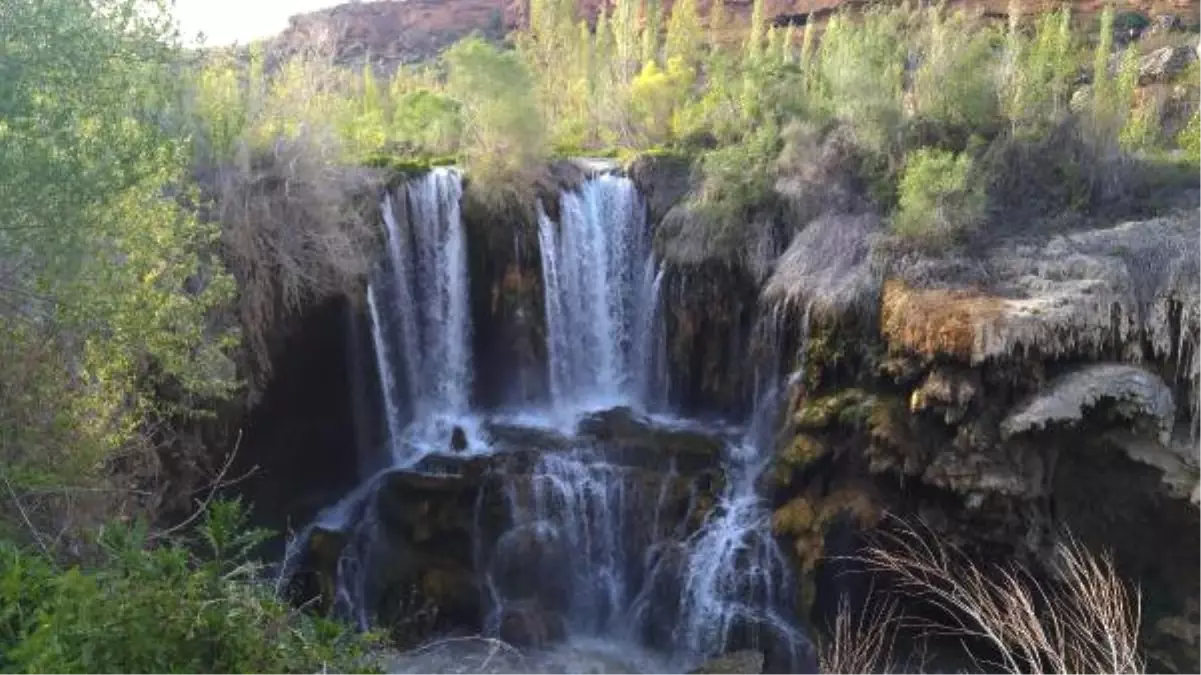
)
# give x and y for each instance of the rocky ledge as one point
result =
(1000, 397)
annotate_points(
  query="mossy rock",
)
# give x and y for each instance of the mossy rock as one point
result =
(848, 407)
(806, 519)
(888, 422)
(795, 455)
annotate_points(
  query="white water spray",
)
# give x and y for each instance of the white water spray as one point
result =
(424, 299)
(597, 275)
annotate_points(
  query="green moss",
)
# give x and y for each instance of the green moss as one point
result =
(802, 450)
(822, 412)
(408, 165)
(798, 453)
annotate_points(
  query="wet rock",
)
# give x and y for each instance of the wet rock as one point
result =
(849, 407)
(531, 626)
(458, 439)
(745, 661)
(615, 423)
(663, 180)
(946, 391)
(531, 563)
(452, 588)
(638, 441)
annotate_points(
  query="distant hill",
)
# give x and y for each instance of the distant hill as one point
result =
(392, 32)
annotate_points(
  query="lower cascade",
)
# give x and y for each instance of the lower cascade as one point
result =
(598, 533)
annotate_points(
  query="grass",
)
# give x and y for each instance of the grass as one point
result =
(1084, 620)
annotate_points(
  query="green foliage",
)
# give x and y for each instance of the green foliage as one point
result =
(939, 200)
(427, 122)
(738, 178)
(955, 84)
(178, 606)
(656, 95)
(860, 77)
(107, 282)
(500, 116)
(1189, 139)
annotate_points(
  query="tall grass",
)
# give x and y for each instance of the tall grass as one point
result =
(1084, 620)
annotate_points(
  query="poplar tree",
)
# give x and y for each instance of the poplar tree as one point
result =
(756, 31)
(652, 23)
(683, 33)
(626, 38)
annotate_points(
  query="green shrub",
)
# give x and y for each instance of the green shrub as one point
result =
(955, 86)
(504, 134)
(178, 607)
(938, 200)
(861, 67)
(1189, 138)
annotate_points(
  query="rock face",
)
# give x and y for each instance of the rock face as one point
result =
(390, 33)
(996, 397)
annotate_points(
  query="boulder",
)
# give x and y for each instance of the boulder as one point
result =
(458, 440)
(1075, 295)
(636, 440)
(1165, 23)
(531, 626)
(744, 661)
(1165, 63)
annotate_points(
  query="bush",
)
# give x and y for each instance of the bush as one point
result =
(938, 200)
(504, 133)
(1189, 138)
(178, 607)
(955, 86)
(861, 71)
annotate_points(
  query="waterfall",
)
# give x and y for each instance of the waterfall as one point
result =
(597, 274)
(384, 367)
(620, 528)
(420, 300)
(581, 529)
(737, 577)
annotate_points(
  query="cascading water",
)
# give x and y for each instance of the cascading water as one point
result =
(598, 278)
(737, 577)
(420, 308)
(612, 553)
(620, 537)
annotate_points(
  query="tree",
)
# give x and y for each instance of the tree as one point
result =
(684, 33)
(652, 25)
(106, 281)
(756, 32)
(1038, 73)
(956, 82)
(504, 132)
(626, 38)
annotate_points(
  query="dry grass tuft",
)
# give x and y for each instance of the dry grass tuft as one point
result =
(298, 227)
(1084, 621)
(862, 643)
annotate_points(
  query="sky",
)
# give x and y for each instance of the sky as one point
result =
(226, 21)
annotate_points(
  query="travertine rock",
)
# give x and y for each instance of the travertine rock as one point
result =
(1134, 391)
